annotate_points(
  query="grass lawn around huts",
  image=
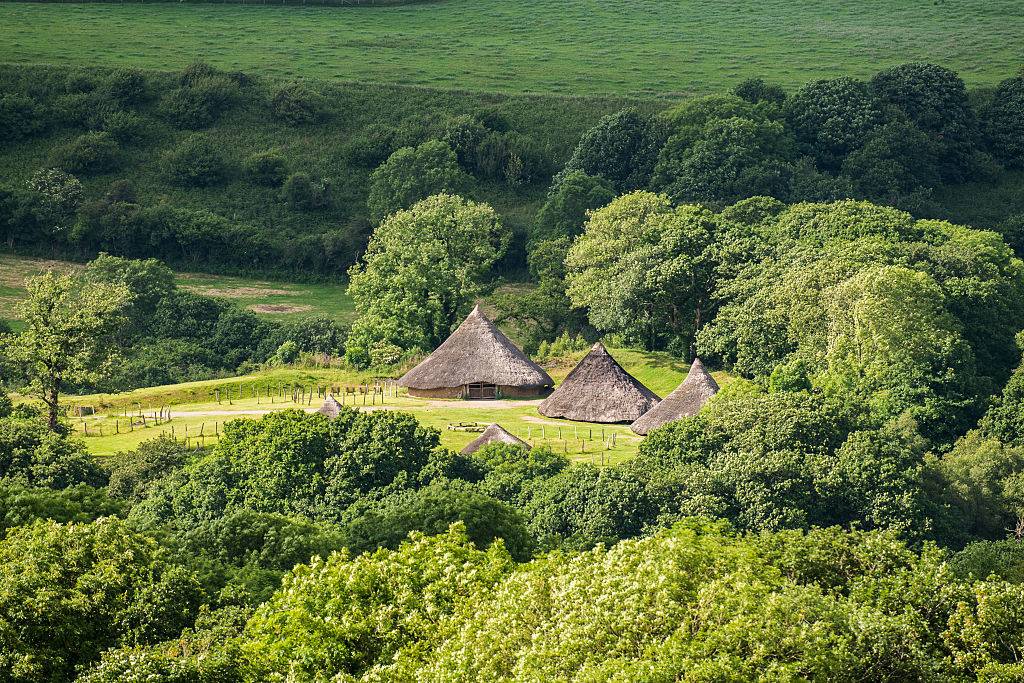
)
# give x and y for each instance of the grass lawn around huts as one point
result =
(197, 415)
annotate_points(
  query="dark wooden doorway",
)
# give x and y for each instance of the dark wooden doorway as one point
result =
(480, 390)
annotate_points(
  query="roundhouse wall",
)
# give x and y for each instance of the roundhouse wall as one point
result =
(458, 392)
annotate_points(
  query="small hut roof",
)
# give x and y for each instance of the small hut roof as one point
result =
(476, 352)
(599, 390)
(494, 434)
(686, 400)
(331, 408)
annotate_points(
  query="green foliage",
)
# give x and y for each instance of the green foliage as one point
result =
(19, 117)
(204, 95)
(565, 210)
(756, 90)
(133, 474)
(70, 323)
(644, 269)
(622, 148)
(33, 454)
(831, 118)
(195, 162)
(421, 270)
(352, 616)
(412, 174)
(304, 193)
(1004, 122)
(21, 505)
(268, 168)
(70, 591)
(297, 104)
(89, 153)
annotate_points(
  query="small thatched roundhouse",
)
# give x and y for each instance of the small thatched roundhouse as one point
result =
(477, 361)
(599, 390)
(688, 398)
(494, 434)
(331, 407)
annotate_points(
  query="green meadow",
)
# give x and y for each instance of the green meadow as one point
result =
(570, 47)
(199, 410)
(275, 299)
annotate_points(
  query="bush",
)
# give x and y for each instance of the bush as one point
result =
(267, 168)
(125, 126)
(200, 103)
(297, 104)
(195, 162)
(302, 193)
(19, 117)
(93, 152)
(412, 174)
(1004, 122)
(127, 86)
(756, 90)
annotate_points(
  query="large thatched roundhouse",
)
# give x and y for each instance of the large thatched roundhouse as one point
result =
(599, 390)
(494, 434)
(688, 398)
(477, 361)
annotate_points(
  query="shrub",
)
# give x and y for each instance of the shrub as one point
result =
(1004, 122)
(297, 104)
(125, 126)
(412, 174)
(201, 103)
(127, 86)
(267, 168)
(756, 90)
(304, 193)
(19, 117)
(195, 162)
(89, 153)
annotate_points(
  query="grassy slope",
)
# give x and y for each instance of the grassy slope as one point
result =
(636, 47)
(194, 407)
(326, 299)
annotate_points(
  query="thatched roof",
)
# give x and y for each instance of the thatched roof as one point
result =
(476, 352)
(494, 434)
(599, 390)
(686, 400)
(331, 407)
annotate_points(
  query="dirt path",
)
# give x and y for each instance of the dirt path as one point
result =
(472, 405)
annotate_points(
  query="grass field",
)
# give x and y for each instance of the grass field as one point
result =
(272, 298)
(195, 409)
(571, 47)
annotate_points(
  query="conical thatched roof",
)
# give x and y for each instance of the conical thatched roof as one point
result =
(599, 390)
(331, 407)
(686, 400)
(494, 434)
(476, 352)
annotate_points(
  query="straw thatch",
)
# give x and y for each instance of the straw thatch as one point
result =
(477, 352)
(686, 400)
(494, 434)
(599, 390)
(331, 408)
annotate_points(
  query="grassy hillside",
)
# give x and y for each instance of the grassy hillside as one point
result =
(650, 47)
(194, 406)
(270, 298)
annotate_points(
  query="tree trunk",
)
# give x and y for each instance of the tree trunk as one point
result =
(52, 401)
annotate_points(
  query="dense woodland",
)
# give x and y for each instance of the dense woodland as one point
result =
(849, 507)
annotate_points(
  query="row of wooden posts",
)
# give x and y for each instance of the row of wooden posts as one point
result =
(132, 419)
(304, 395)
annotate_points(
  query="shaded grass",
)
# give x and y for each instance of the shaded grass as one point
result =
(641, 47)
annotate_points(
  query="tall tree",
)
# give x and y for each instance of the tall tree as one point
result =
(70, 324)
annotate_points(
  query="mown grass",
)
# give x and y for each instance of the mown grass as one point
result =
(570, 47)
(275, 299)
(195, 409)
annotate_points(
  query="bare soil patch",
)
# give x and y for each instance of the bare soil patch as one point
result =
(280, 308)
(243, 292)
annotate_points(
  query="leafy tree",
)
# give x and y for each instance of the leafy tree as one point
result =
(622, 148)
(565, 210)
(33, 454)
(935, 100)
(1004, 122)
(21, 505)
(69, 591)
(195, 162)
(644, 268)
(898, 165)
(756, 90)
(69, 325)
(412, 174)
(133, 473)
(19, 117)
(420, 271)
(348, 616)
(831, 118)
(55, 196)
(730, 159)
